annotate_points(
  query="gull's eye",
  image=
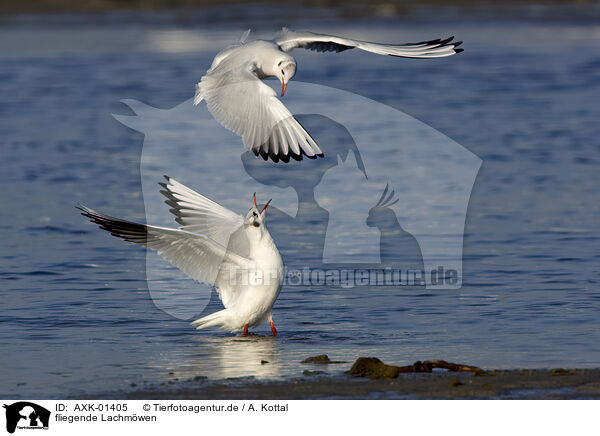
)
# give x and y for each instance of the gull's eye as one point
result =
(254, 213)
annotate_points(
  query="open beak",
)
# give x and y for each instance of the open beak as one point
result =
(265, 207)
(283, 86)
(254, 200)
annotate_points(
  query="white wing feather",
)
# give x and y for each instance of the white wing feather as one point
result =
(200, 215)
(242, 103)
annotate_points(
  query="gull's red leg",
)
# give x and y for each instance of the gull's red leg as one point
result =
(273, 329)
(245, 332)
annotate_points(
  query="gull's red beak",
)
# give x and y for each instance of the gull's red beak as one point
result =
(265, 207)
(283, 86)
(254, 200)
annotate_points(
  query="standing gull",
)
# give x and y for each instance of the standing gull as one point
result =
(241, 102)
(215, 246)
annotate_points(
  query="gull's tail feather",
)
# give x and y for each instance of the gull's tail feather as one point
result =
(212, 320)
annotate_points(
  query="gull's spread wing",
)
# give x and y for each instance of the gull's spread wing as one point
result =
(196, 255)
(242, 103)
(288, 40)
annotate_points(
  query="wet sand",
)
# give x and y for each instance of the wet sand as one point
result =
(493, 384)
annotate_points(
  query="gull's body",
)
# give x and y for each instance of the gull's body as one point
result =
(241, 102)
(215, 246)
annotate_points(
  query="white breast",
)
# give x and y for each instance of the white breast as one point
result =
(250, 295)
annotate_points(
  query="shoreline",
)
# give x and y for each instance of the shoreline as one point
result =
(555, 383)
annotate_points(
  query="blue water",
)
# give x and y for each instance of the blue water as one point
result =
(76, 315)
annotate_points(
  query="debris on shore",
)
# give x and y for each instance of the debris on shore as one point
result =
(322, 359)
(308, 373)
(374, 368)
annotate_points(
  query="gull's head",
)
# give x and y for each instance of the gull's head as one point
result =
(285, 69)
(255, 217)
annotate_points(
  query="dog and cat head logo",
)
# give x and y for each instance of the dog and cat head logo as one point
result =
(390, 191)
(26, 415)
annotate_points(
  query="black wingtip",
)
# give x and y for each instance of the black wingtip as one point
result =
(430, 42)
(85, 211)
(127, 230)
(459, 50)
(172, 202)
(261, 153)
(284, 157)
(89, 213)
(296, 157)
(274, 157)
(456, 44)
